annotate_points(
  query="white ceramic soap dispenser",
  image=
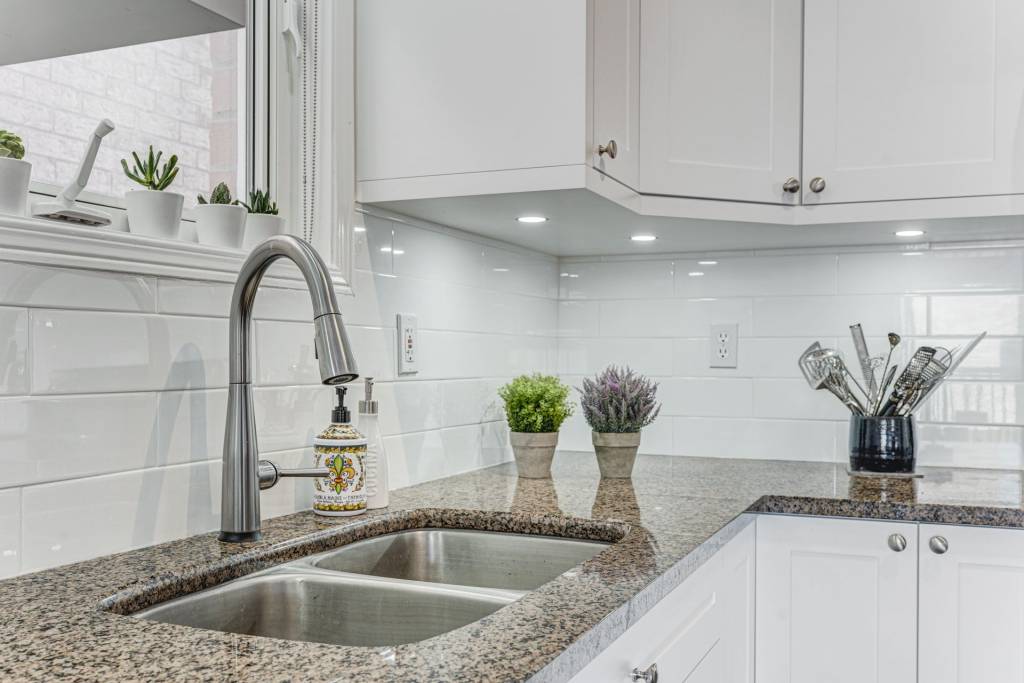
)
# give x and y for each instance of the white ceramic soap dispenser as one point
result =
(341, 449)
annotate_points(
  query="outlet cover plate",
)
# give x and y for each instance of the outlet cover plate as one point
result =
(723, 345)
(408, 344)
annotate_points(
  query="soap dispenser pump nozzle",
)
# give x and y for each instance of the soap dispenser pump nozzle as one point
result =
(341, 414)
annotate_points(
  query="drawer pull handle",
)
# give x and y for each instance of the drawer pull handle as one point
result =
(611, 149)
(938, 544)
(648, 675)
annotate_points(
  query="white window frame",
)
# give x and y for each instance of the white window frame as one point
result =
(269, 99)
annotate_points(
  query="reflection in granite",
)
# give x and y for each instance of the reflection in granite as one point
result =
(61, 624)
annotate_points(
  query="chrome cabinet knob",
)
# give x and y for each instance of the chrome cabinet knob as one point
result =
(897, 542)
(938, 544)
(648, 675)
(792, 185)
(817, 184)
(611, 149)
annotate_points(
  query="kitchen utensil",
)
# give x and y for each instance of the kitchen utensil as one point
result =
(825, 369)
(908, 379)
(860, 345)
(890, 373)
(932, 372)
(957, 356)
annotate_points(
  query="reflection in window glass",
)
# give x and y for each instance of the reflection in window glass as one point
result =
(183, 96)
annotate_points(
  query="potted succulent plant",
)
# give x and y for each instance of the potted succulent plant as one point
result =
(536, 406)
(152, 211)
(263, 221)
(15, 173)
(221, 220)
(617, 404)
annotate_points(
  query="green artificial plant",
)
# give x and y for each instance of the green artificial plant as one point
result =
(221, 194)
(259, 202)
(536, 403)
(11, 146)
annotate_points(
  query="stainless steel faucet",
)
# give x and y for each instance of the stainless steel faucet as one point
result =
(244, 474)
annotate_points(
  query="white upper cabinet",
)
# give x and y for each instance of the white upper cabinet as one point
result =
(615, 56)
(913, 99)
(720, 99)
(972, 605)
(464, 86)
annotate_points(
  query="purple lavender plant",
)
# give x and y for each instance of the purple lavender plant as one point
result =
(618, 400)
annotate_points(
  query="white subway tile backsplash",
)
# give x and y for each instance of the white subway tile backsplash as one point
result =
(792, 399)
(578, 318)
(998, 314)
(13, 351)
(616, 280)
(191, 425)
(758, 276)
(41, 287)
(588, 356)
(832, 316)
(83, 352)
(970, 446)
(285, 353)
(705, 397)
(75, 520)
(978, 270)
(755, 438)
(58, 438)
(192, 297)
(976, 402)
(10, 532)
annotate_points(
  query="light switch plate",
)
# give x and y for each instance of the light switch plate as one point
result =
(724, 344)
(408, 344)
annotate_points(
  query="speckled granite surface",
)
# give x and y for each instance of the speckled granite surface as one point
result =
(63, 623)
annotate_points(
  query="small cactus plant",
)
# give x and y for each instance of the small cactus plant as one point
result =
(618, 400)
(259, 202)
(221, 194)
(11, 146)
(148, 173)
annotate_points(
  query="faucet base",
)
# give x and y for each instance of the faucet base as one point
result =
(239, 536)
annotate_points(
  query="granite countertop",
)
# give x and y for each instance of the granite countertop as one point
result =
(62, 623)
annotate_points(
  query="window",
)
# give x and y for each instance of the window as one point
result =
(185, 96)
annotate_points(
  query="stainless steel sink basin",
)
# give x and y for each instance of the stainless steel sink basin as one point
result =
(462, 557)
(320, 608)
(387, 590)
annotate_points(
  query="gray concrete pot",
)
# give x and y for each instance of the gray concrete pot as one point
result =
(534, 453)
(616, 453)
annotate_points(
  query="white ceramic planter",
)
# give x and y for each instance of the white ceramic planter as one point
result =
(616, 453)
(14, 178)
(534, 453)
(260, 226)
(220, 225)
(154, 213)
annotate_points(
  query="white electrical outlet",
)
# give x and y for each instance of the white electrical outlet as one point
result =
(408, 344)
(724, 345)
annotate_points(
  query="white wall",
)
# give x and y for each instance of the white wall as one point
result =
(113, 398)
(654, 316)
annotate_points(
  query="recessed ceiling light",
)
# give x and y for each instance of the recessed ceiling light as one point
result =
(500, 270)
(386, 250)
(696, 273)
(909, 233)
(359, 228)
(912, 253)
(707, 263)
(532, 219)
(398, 252)
(643, 238)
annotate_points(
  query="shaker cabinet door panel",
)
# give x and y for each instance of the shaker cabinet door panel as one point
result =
(720, 98)
(911, 99)
(615, 54)
(835, 602)
(972, 605)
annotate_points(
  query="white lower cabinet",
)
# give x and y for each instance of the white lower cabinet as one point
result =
(972, 605)
(836, 601)
(701, 632)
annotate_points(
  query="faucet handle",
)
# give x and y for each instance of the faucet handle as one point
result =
(270, 474)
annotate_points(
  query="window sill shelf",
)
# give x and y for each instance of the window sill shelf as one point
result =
(52, 243)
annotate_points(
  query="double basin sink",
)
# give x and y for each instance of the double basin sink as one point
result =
(389, 590)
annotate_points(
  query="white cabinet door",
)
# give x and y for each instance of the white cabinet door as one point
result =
(972, 606)
(834, 602)
(615, 59)
(701, 632)
(720, 98)
(907, 99)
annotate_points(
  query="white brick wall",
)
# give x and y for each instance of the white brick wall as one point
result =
(112, 387)
(54, 105)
